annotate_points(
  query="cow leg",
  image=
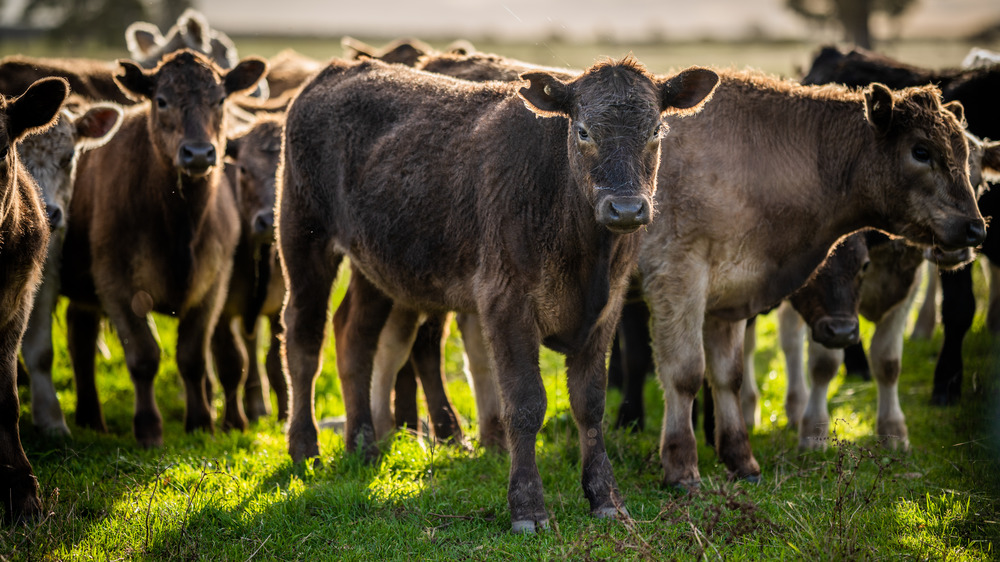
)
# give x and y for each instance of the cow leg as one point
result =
(256, 395)
(750, 393)
(792, 335)
(142, 357)
(357, 326)
(492, 434)
(82, 326)
(275, 374)
(18, 485)
(815, 421)
(392, 353)
(513, 338)
(636, 361)
(923, 329)
(36, 348)
(587, 380)
(886, 358)
(680, 364)
(724, 356)
(958, 307)
(428, 359)
(993, 313)
(194, 333)
(404, 404)
(231, 360)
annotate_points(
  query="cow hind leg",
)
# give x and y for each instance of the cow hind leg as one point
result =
(82, 326)
(36, 347)
(636, 359)
(792, 334)
(256, 395)
(993, 313)
(814, 426)
(958, 307)
(272, 364)
(886, 356)
(427, 358)
(18, 485)
(749, 392)
(231, 360)
(391, 355)
(405, 410)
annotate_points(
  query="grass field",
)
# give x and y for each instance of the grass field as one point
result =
(238, 496)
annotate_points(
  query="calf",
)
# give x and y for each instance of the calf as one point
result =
(974, 88)
(155, 184)
(24, 233)
(806, 166)
(50, 158)
(256, 288)
(533, 229)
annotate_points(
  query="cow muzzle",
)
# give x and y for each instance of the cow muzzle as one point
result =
(949, 259)
(54, 213)
(623, 214)
(962, 233)
(837, 332)
(196, 158)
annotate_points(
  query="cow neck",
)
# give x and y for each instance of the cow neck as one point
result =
(8, 200)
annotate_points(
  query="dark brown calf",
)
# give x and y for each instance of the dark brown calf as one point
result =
(151, 231)
(804, 167)
(453, 195)
(256, 288)
(93, 79)
(24, 233)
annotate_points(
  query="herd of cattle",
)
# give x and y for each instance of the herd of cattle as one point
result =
(536, 203)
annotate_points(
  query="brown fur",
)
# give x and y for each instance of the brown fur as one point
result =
(90, 78)
(804, 168)
(446, 228)
(24, 233)
(156, 184)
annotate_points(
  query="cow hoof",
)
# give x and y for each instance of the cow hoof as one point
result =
(302, 451)
(56, 431)
(610, 512)
(943, 399)
(528, 526)
(752, 478)
(685, 486)
(148, 430)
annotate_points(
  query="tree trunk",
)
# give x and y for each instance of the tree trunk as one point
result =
(854, 16)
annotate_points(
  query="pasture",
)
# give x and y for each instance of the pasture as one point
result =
(233, 496)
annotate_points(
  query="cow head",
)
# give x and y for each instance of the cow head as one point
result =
(255, 154)
(30, 113)
(614, 111)
(829, 301)
(50, 157)
(927, 153)
(188, 94)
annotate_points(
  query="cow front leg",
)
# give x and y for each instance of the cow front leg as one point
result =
(814, 426)
(587, 379)
(392, 353)
(18, 485)
(36, 348)
(256, 395)
(231, 364)
(749, 392)
(792, 334)
(993, 312)
(272, 364)
(724, 355)
(357, 326)
(194, 333)
(492, 434)
(886, 359)
(958, 307)
(82, 325)
(636, 360)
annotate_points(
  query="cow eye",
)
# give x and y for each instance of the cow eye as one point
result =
(222, 101)
(161, 102)
(921, 154)
(865, 266)
(582, 134)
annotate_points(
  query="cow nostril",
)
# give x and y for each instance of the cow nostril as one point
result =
(55, 215)
(263, 222)
(975, 233)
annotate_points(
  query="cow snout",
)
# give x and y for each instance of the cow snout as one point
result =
(55, 215)
(197, 157)
(263, 223)
(837, 332)
(975, 232)
(949, 259)
(623, 214)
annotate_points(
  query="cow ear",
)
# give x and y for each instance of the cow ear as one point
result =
(193, 27)
(956, 109)
(36, 108)
(546, 95)
(142, 38)
(355, 49)
(223, 50)
(245, 75)
(688, 89)
(878, 107)
(95, 127)
(460, 47)
(135, 82)
(991, 160)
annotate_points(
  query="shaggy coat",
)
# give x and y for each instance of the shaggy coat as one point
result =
(533, 229)
(155, 184)
(24, 233)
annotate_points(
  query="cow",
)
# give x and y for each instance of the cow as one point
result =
(256, 287)
(805, 167)
(24, 232)
(535, 232)
(156, 183)
(289, 70)
(971, 87)
(50, 158)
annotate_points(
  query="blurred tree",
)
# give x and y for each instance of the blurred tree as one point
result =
(100, 20)
(853, 15)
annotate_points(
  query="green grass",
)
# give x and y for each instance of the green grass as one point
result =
(238, 495)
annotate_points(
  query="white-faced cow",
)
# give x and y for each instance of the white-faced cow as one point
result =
(24, 233)
(150, 230)
(517, 201)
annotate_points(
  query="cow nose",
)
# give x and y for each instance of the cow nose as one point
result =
(263, 222)
(975, 233)
(837, 332)
(55, 215)
(624, 214)
(197, 156)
